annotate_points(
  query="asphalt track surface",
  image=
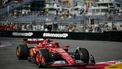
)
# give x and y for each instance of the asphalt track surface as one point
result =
(101, 50)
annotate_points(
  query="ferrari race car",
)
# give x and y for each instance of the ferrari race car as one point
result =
(48, 53)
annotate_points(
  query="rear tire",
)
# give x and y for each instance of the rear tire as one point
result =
(22, 52)
(82, 54)
(43, 58)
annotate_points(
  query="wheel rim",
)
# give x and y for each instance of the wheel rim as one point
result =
(38, 58)
(18, 52)
(42, 61)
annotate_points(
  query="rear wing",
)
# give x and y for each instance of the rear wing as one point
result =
(32, 40)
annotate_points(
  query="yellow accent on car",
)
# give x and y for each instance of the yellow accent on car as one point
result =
(116, 66)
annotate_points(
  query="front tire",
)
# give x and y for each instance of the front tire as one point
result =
(22, 52)
(82, 54)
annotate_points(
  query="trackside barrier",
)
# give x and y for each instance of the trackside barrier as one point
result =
(105, 36)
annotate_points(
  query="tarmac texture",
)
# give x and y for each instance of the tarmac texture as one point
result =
(101, 50)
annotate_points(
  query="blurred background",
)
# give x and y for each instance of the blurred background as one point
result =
(61, 15)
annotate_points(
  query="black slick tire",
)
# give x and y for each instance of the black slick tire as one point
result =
(83, 54)
(22, 52)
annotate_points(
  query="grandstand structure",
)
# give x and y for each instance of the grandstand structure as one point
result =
(16, 4)
(55, 15)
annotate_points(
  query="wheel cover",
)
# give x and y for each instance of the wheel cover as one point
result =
(40, 59)
(18, 52)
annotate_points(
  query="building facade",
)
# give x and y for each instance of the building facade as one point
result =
(90, 2)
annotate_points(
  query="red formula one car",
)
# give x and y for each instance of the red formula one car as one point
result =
(48, 53)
